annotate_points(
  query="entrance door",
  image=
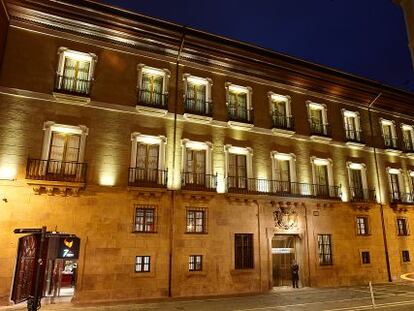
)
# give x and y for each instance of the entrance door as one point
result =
(283, 253)
(61, 278)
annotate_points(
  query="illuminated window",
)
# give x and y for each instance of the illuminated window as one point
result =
(284, 173)
(318, 119)
(145, 218)
(323, 178)
(197, 95)
(396, 186)
(280, 111)
(152, 86)
(243, 251)
(352, 126)
(362, 225)
(75, 72)
(365, 257)
(239, 168)
(402, 226)
(405, 256)
(358, 182)
(325, 249)
(389, 134)
(142, 263)
(196, 221)
(239, 106)
(195, 263)
(408, 137)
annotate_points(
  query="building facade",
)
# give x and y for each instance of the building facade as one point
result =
(192, 165)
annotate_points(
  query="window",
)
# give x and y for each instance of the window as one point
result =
(196, 221)
(389, 134)
(402, 226)
(195, 263)
(323, 178)
(325, 249)
(358, 182)
(152, 86)
(238, 168)
(395, 182)
(362, 225)
(142, 263)
(243, 250)
(280, 111)
(147, 160)
(74, 74)
(284, 174)
(405, 256)
(318, 119)
(366, 259)
(352, 126)
(197, 95)
(239, 103)
(408, 137)
(144, 218)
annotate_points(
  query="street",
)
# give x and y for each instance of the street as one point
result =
(387, 297)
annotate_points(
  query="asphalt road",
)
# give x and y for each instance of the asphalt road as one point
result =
(389, 297)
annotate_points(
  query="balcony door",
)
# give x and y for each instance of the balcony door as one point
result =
(357, 185)
(282, 176)
(237, 171)
(151, 92)
(64, 153)
(238, 105)
(147, 162)
(395, 187)
(350, 128)
(408, 139)
(75, 75)
(196, 98)
(322, 182)
(195, 167)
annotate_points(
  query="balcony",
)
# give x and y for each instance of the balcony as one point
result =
(72, 86)
(282, 122)
(198, 106)
(319, 129)
(51, 175)
(391, 142)
(362, 195)
(146, 177)
(245, 185)
(408, 146)
(240, 114)
(198, 181)
(354, 136)
(152, 99)
(397, 197)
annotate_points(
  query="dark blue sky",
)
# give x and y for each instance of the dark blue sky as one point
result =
(363, 37)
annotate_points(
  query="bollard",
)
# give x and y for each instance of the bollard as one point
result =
(371, 290)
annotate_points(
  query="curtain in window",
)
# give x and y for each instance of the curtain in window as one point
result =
(237, 171)
(394, 186)
(152, 89)
(64, 153)
(75, 75)
(238, 105)
(196, 166)
(356, 181)
(282, 174)
(196, 97)
(322, 179)
(280, 108)
(147, 162)
(350, 127)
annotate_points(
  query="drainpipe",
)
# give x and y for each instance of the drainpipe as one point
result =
(384, 232)
(259, 242)
(171, 223)
(307, 245)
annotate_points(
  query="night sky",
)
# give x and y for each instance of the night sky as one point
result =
(363, 37)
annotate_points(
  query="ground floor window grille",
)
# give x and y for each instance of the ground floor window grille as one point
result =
(406, 256)
(366, 259)
(143, 264)
(195, 263)
(325, 249)
(243, 251)
(144, 218)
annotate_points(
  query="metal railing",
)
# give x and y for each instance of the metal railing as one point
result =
(362, 195)
(240, 114)
(401, 197)
(74, 86)
(390, 142)
(56, 170)
(354, 136)
(281, 188)
(198, 181)
(320, 129)
(147, 177)
(198, 106)
(408, 146)
(152, 99)
(282, 122)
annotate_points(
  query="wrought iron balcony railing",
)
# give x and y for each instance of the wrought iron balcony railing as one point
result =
(152, 99)
(240, 114)
(56, 170)
(354, 136)
(362, 195)
(198, 181)
(391, 142)
(402, 197)
(147, 177)
(408, 146)
(281, 188)
(283, 122)
(72, 86)
(319, 129)
(198, 106)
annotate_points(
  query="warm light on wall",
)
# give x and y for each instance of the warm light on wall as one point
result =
(221, 185)
(238, 89)
(107, 179)
(197, 80)
(7, 173)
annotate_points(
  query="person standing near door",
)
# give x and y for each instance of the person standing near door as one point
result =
(295, 274)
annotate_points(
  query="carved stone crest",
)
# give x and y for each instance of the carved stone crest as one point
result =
(285, 217)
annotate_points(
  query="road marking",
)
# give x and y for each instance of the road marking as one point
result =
(377, 306)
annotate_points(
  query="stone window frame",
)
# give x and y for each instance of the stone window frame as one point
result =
(367, 226)
(230, 149)
(155, 217)
(331, 262)
(143, 265)
(363, 168)
(50, 126)
(393, 128)
(247, 89)
(401, 183)
(196, 145)
(141, 68)
(250, 265)
(346, 113)
(194, 209)
(407, 227)
(272, 96)
(208, 82)
(64, 51)
(194, 269)
(315, 161)
(137, 137)
(361, 252)
(407, 127)
(291, 157)
(312, 105)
